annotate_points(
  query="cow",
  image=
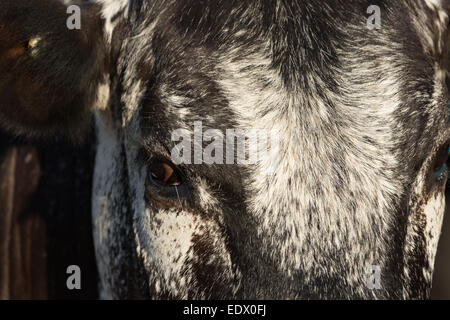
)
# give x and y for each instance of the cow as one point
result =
(352, 207)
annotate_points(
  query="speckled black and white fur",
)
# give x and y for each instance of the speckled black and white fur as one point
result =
(361, 115)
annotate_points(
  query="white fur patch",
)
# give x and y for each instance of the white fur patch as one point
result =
(110, 9)
(103, 94)
(298, 225)
(434, 213)
(107, 202)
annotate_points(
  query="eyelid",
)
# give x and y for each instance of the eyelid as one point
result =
(164, 193)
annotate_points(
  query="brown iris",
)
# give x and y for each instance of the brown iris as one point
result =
(164, 173)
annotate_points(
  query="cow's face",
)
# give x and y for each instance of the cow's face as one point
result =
(356, 185)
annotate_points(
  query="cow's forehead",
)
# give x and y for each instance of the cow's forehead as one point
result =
(173, 74)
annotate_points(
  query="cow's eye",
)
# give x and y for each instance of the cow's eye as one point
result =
(164, 173)
(440, 164)
(29, 46)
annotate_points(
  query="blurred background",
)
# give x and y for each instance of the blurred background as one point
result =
(45, 219)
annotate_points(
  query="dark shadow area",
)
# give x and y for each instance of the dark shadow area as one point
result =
(45, 192)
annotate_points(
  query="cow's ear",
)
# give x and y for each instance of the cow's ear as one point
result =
(51, 62)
